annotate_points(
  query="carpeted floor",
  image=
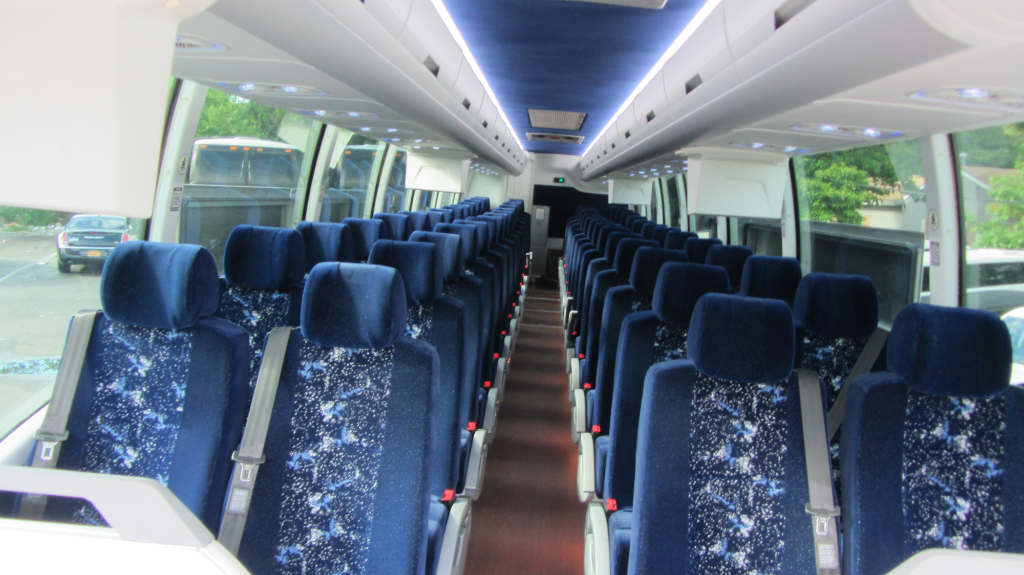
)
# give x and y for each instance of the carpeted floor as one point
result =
(528, 519)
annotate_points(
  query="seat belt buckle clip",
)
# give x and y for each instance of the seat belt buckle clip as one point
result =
(822, 518)
(247, 465)
(49, 442)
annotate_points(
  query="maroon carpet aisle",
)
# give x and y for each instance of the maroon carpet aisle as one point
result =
(528, 520)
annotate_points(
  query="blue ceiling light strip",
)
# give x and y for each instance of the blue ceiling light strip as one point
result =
(571, 56)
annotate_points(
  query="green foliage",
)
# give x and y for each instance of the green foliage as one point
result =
(225, 116)
(25, 217)
(1005, 228)
(835, 191)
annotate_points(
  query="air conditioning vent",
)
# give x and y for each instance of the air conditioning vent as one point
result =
(465, 103)
(556, 120)
(788, 10)
(692, 83)
(650, 115)
(432, 66)
(545, 137)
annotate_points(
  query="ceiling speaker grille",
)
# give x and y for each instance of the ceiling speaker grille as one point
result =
(556, 120)
(564, 138)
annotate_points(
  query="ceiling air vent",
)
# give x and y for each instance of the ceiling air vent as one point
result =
(190, 43)
(556, 120)
(564, 138)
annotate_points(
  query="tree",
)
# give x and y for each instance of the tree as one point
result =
(836, 191)
(1005, 229)
(225, 116)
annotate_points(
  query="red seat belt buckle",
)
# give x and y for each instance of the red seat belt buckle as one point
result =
(487, 384)
(448, 495)
(582, 356)
(586, 385)
(595, 429)
(471, 426)
(611, 505)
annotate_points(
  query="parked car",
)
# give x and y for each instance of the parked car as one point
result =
(88, 239)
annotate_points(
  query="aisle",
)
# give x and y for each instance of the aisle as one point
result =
(528, 519)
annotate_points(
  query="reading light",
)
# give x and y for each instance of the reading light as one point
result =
(247, 87)
(365, 129)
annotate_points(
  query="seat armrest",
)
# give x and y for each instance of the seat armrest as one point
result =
(585, 466)
(569, 320)
(491, 413)
(475, 467)
(452, 559)
(574, 377)
(596, 553)
(579, 414)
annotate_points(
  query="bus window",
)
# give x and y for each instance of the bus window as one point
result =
(762, 235)
(864, 211)
(351, 176)
(397, 196)
(49, 269)
(249, 166)
(990, 172)
(672, 193)
(704, 226)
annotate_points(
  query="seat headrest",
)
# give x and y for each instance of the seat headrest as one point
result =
(771, 277)
(624, 252)
(415, 221)
(467, 240)
(647, 230)
(445, 215)
(697, 248)
(433, 218)
(493, 232)
(353, 306)
(421, 268)
(660, 232)
(264, 258)
(447, 248)
(364, 233)
(676, 239)
(646, 264)
(394, 228)
(731, 258)
(741, 338)
(680, 285)
(326, 242)
(836, 305)
(483, 236)
(158, 285)
(611, 243)
(950, 351)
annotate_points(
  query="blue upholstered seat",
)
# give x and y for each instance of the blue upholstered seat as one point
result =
(720, 478)
(394, 225)
(771, 277)
(345, 486)
(163, 389)
(932, 449)
(364, 233)
(676, 240)
(697, 248)
(416, 222)
(262, 285)
(326, 242)
(732, 258)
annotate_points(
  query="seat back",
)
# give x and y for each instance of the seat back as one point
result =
(364, 233)
(326, 242)
(415, 222)
(162, 393)
(697, 248)
(771, 277)
(345, 484)
(720, 480)
(262, 285)
(676, 240)
(394, 225)
(732, 258)
(932, 449)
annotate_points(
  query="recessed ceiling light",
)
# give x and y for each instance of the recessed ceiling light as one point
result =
(320, 113)
(392, 130)
(416, 147)
(757, 145)
(353, 114)
(365, 129)
(418, 140)
(436, 147)
(828, 128)
(396, 139)
(247, 87)
(871, 132)
(973, 93)
(789, 149)
(289, 89)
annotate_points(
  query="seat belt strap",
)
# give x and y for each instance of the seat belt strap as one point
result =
(865, 361)
(822, 508)
(249, 455)
(54, 430)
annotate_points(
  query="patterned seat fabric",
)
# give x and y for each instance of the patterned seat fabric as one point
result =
(326, 242)
(364, 233)
(732, 258)
(262, 285)
(720, 483)
(932, 449)
(647, 338)
(344, 486)
(163, 388)
(771, 277)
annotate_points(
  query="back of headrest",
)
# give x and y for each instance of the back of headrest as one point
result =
(741, 338)
(433, 219)
(468, 248)
(166, 286)
(950, 351)
(611, 244)
(264, 258)
(647, 230)
(731, 258)
(364, 233)
(445, 215)
(353, 305)
(624, 252)
(415, 221)
(447, 246)
(697, 248)
(394, 228)
(771, 277)
(837, 305)
(483, 238)
(492, 228)
(326, 242)
(660, 232)
(680, 285)
(646, 264)
(419, 265)
(676, 239)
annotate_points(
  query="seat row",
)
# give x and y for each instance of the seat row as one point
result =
(361, 450)
(734, 417)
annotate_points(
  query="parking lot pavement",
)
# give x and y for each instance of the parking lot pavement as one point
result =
(36, 302)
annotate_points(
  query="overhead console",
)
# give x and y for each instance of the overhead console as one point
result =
(400, 53)
(743, 61)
